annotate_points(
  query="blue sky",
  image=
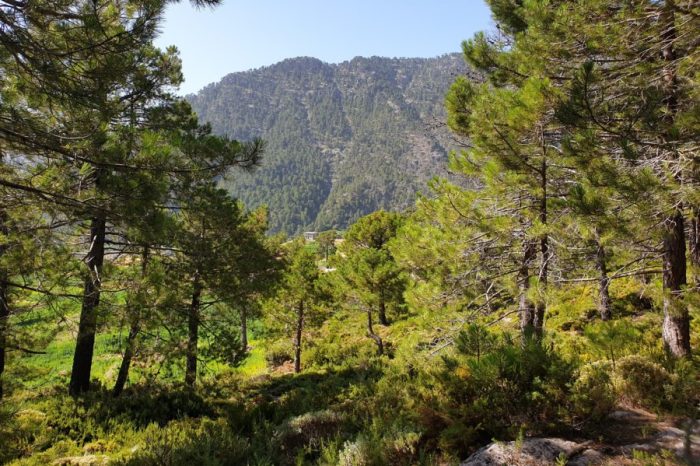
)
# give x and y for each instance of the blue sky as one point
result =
(244, 34)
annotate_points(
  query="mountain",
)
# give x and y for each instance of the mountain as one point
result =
(343, 139)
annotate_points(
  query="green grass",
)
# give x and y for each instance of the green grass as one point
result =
(43, 371)
(38, 371)
(255, 363)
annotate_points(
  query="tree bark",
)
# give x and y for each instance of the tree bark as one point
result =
(604, 302)
(297, 337)
(694, 240)
(4, 324)
(676, 325)
(123, 375)
(244, 328)
(4, 305)
(193, 333)
(87, 327)
(377, 339)
(526, 306)
(540, 307)
(134, 329)
(382, 310)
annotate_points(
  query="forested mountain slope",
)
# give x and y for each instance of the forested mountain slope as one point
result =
(343, 140)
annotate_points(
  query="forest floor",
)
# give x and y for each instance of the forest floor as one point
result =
(635, 432)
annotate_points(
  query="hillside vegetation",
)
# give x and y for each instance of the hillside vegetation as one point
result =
(342, 140)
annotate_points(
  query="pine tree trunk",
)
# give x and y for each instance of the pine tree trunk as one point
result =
(382, 310)
(123, 374)
(4, 324)
(694, 240)
(297, 337)
(244, 328)
(540, 307)
(377, 339)
(4, 306)
(87, 327)
(193, 334)
(676, 326)
(526, 306)
(604, 303)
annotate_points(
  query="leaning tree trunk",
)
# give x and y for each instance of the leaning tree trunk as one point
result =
(193, 333)
(134, 329)
(123, 375)
(87, 327)
(297, 337)
(526, 307)
(370, 330)
(676, 325)
(604, 302)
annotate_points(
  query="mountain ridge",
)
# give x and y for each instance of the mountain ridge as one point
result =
(344, 139)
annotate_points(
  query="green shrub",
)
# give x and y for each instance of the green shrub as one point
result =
(592, 393)
(402, 448)
(189, 443)
(479, 398)
(308, 431)
(279, 353)
(682, 393)
(356, 453)
(641, 381)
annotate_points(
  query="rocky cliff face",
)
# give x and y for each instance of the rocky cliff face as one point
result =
(343, 140)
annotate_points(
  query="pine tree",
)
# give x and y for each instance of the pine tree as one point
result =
(369, 270)
(625, 98)
(300, 294)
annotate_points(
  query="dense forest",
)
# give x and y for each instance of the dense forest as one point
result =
(342, 140)
(537, 304)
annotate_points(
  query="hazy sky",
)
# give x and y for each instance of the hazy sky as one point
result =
(244, 34)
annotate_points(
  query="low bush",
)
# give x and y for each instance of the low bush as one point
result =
(641, 381)
(279, 353)
(592, 395)
(188, 443)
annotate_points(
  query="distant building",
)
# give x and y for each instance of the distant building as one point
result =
(310, 235)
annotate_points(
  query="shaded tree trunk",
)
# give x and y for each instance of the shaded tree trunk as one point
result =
(676, 325)
(4, 307)
(130, 348)
(694, 240)
(526, 307)
(4, 323)
(193, 333)
(123, 375)
(540, 307)
(604, 303)
(382, 310)
(370, 330)
(87, 327)
(297, 337)
(244, 328)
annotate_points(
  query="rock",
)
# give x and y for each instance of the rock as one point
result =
(588, 457)
(531, 451)
(682, 443)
